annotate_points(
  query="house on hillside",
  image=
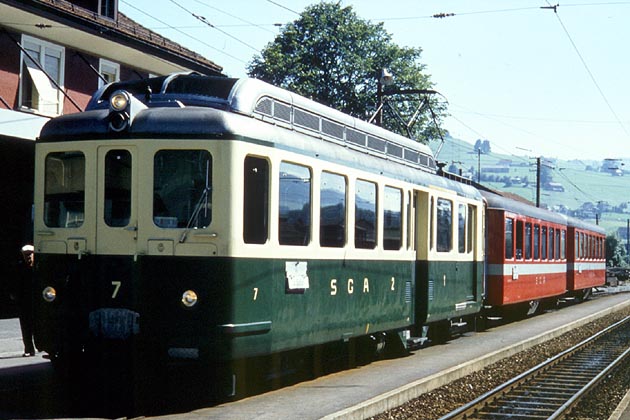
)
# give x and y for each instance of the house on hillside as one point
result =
(613, 167)
(55, 54)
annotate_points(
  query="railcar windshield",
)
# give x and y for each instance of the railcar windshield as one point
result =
(64, 191)
(182, 187)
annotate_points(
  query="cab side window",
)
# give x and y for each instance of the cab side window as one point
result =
(255, 200)
(294, 224)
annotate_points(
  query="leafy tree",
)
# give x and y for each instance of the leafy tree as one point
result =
(615, 252)
(334, 57)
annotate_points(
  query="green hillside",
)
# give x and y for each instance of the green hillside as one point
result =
(586, 189)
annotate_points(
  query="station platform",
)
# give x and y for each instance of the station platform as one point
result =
(372, 389)
(622, 412)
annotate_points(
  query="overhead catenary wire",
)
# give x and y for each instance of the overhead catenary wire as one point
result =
(275, 3)
(586, 67)
(208, 23)
(184, 33)
(248, 23)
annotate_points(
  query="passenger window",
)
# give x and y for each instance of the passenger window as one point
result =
(472, 231)
(519, 240)
(577, 245)
(551, 244)
(182, 189)
(509, 239)
(255, 200)
(294, 224)
(543, 243)
(558, 255)
(332, 215)
(365, 215)
(461, 228)
(536, 242)
(528, 241)
(431, 229)
(563, 245)
(64, 190)
(117, 188)
(392, 223)
(444, 225)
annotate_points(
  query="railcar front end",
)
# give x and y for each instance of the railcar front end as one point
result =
(169, 222)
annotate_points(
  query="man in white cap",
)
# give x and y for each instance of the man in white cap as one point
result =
(25, 302)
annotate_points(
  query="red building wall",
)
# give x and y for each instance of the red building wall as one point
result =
(9, 70)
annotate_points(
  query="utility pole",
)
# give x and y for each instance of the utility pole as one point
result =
(479, 166)
(538, 181)
(628, 242)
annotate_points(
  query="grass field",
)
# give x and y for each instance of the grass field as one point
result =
(581, 180)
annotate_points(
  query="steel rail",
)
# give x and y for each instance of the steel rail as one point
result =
(560, 404)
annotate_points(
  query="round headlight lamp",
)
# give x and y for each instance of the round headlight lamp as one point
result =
(189, 298)
(119, 101)
(49, 294)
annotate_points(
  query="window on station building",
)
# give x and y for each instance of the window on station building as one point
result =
(294, 224)
(182, 189)
(519, 240)
(332, 214)
(109, 71)
(509, 238)
(444, 225)
(255, 200)
(365, 212)
(117, 211)
(42, 68)
(108, 8)
(392, 222)
(64, 189)
(543, 243)
(536, 242)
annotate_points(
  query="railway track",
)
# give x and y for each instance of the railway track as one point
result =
(551, 389)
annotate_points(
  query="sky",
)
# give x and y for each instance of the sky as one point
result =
(532, 80)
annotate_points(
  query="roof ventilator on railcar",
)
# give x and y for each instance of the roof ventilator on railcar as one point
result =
(123, 108)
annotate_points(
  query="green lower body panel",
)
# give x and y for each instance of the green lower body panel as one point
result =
(447, 290)
(244, 307)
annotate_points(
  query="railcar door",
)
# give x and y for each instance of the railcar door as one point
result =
(117, 219)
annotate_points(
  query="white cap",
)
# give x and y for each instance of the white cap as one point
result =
(28, 248)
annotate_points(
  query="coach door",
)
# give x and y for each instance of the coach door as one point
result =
(116, 231)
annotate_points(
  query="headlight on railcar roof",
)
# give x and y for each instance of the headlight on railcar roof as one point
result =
(119, 101)
(189, 298)
(49, 294)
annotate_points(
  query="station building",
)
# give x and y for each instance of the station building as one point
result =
(55, 55)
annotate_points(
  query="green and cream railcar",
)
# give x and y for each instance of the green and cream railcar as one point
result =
(221, 219)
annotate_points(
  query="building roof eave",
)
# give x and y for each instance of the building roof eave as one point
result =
(120, 38)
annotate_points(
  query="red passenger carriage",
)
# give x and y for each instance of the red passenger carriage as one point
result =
(586, 266)
(526, 254)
